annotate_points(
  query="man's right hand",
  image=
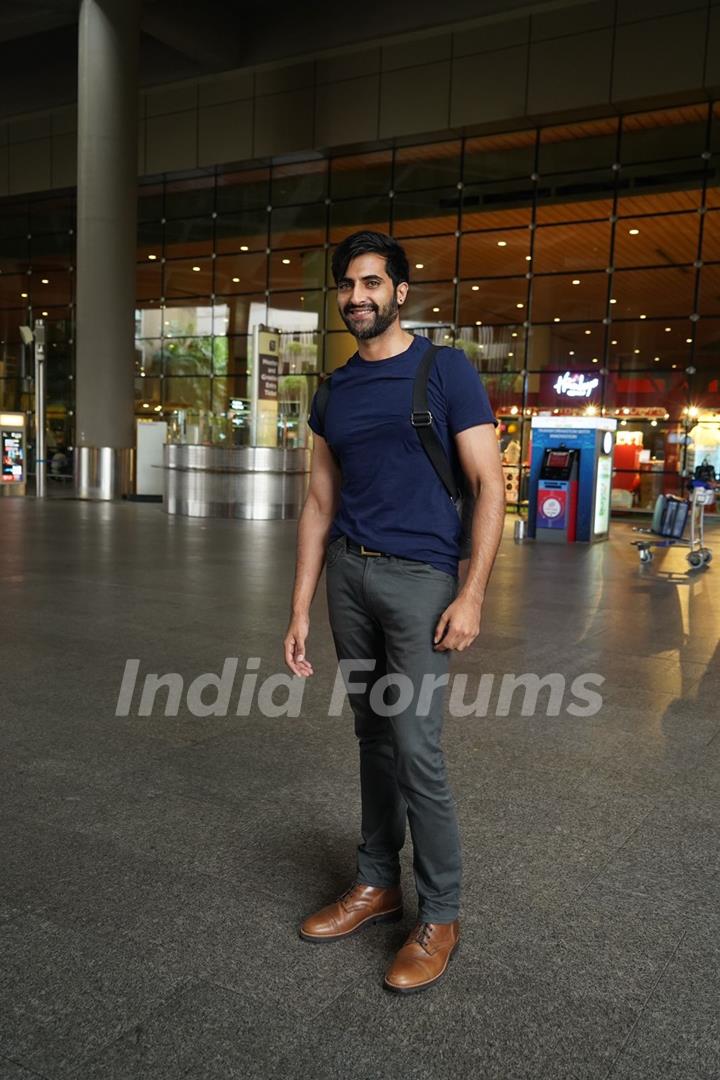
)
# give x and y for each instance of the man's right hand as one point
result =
(295, 646)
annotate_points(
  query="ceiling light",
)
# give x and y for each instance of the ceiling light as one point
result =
(528, 258)
(44, 313)
(436, 309)
(478, 322)
(668, 329)
(613, 300)
(519, 305)
(502, 243)
(145, 405)
(633, 232)
(688, 340)
(152, 258)
(588, 331)
(44, 281)
(626, 412)
(674, 365)
(511, 354)
(656, 359)
(514, 333)
(475, 288)
(556, 319)
(653, 423)
(572, 352)
(419, 266)
(594, 359)
(196, 268)
(636, 351)
(614, 341)
(643, 316)
(576, 281)
(236, 280)
(286, 262)
(243, 247)
(23, 296)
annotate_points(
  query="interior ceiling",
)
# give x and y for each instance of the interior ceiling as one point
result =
(185, 38)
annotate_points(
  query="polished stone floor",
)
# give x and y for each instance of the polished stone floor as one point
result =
(153, 868)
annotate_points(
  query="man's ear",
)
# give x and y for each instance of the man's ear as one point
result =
(402, 291)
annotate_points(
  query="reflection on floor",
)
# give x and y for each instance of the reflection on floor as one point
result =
(155, 868)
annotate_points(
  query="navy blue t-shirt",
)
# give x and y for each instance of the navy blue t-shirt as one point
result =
(391, 498)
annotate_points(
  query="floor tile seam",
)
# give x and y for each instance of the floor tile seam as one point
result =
(145, 859)
(614, 854)
(653, 989)
(23, 1065)
(75, 1068)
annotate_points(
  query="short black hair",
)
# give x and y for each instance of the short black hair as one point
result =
(372, 243)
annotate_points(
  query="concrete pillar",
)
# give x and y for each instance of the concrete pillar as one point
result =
(106, 245)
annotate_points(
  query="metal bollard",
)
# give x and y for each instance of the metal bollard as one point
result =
(519, 534)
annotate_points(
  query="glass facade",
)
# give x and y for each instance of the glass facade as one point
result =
(578, 266)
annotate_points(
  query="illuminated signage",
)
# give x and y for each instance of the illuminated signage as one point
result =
(13, 457)
(575, 385)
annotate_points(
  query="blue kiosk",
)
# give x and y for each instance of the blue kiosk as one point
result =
(571, 478)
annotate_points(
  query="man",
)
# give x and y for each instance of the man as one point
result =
(378, 512)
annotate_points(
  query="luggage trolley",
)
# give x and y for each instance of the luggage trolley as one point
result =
(669, 521)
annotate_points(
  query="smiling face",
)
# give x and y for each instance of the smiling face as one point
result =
(368, 300)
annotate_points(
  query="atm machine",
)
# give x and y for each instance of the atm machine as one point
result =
(570, 478)
(556, 515)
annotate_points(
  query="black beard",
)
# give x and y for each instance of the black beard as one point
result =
(384, 318)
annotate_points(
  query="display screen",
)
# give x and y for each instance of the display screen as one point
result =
(13, 457)
(603, 488)
(558, 459)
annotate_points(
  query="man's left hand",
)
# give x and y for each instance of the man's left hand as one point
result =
(458, 626)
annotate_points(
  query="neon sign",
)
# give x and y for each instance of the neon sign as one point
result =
(572, 384)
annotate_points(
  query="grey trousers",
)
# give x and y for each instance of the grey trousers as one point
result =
(385, 609)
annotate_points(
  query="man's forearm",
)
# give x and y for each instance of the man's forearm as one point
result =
(487, 529)
(312, 533)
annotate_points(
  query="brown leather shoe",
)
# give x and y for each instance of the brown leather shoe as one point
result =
(358, 905)
(423, 959)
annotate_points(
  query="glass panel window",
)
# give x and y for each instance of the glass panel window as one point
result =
(650, 344)
(297, 269)
(148, 394)
(298, 226)
(150, 241)
(189, 319)
(492, 300)
(428, 304)
(246, 189)
(241, 273)
(230, 355)
(433, 165)
(361, 174)
(239, 314)
(148, 281)
(493, 348)
(350, 215)
(188, 356)
(575, 148)
(499, 157)
(52, 251)
(302, 182)
(653, 292)
(569, 297)
(644, 241)
(14, 255)
(14, 289)
(497, 206)
(664, 133)
(566, 346)
(296, 311)
(188, 277)
(339, 347)
(572, 247)
(247, 231)
(148, 357)
(709, 303)
(188, 393)
(194, 197)
(432, 258)
(711, 237)
(426, 212)
(187, 237)
(667, 187)
(490, 254)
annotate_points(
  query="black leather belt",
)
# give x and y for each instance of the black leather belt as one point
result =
(360, 549)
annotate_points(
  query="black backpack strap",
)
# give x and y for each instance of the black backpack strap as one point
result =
(422, 420)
